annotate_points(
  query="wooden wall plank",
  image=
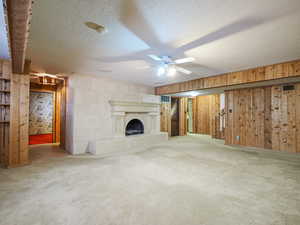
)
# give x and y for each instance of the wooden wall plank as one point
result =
(13, 156)
(58, 102)
(249, 136)
(194, 107)
(242, 115)
(276, 117)
(24, 119)
(215, 116)
(259, 109)
(183, 116)
(270, 72)
(229, 117)
(165, 117)
(260, 74)
(268, 119)
(291, 115)
(202, 115)
(236, 113)
(206, 115)
(265, 117)
(235, 78)
(18, 153)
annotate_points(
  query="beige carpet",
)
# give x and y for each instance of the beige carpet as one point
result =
(186, 181)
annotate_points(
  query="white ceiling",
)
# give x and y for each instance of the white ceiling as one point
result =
(4, 50)
(222, 35)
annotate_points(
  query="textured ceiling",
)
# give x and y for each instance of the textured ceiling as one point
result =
(222, 35)
(4, 50)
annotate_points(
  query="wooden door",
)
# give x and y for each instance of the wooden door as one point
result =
(183, 116)
(174, 116)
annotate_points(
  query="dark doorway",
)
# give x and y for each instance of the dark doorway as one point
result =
(134, 127)
(174, 116)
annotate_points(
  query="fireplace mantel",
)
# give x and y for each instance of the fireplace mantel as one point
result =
(134, 107)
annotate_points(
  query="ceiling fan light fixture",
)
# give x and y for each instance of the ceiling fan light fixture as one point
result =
(161, 71)
(155, 57)
(171, 71)
(97, 27)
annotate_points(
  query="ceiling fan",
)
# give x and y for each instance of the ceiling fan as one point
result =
(134, 20)
(169, 66)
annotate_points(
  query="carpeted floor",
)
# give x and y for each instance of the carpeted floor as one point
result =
(40, 139)
(186, 181)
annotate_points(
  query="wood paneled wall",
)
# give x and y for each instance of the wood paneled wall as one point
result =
(206, 115)
(18, 153)
(266, 117)
(165, 117)
(277, 71)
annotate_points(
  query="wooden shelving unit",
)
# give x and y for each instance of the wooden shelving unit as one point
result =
(5, 86)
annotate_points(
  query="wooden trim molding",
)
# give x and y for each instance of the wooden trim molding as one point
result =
(265, 73)
(19, 16)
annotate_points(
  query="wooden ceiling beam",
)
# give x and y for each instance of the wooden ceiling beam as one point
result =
(19, 16)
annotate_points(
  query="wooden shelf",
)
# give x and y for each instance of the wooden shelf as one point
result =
(6, 104)
(4, 121)
(3, 91)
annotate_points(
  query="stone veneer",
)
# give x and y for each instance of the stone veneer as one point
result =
(89, 116)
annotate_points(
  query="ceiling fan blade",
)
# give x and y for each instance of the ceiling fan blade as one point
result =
(223, 32)
(133, 19)
(155, 57)
(184, 60)
(182, 70)
(143, 67)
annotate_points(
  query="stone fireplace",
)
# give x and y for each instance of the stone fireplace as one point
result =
(135, 125)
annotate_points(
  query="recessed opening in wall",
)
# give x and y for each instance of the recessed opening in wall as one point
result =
(134, 127)
(41, 116)
(47, 116)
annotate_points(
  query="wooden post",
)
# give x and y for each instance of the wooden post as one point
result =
(19, 116)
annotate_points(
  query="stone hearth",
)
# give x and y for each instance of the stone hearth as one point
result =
(122, 112)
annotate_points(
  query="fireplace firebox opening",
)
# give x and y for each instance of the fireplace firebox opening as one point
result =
(134, 127)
